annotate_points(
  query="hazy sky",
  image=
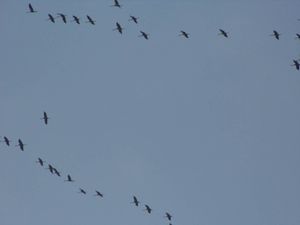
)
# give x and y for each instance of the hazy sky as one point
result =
(205, 128)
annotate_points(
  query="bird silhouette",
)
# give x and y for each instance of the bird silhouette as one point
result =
(90, 20)
(40, 161)
(45, 118)
(20, 144)
(31, 9)
(184, 34)
(6, 141)
(69, 178)
(119, 28)
(168, 215)
(51, 18)
(145, 35)
(296, 64)
(63, 17)
(134, 19)
(298, 36)
(116, 4)
(56, 172)
(224, 33)
(82, 191)
(135, 201)
(76, 19)
(50, 168)
(148, 209)
(275, 34)
(99, 194)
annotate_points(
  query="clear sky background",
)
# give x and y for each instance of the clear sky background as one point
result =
(206, 128)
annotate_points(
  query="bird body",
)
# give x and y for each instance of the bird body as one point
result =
(183, 33)
(99, 194)
(148, 209)
(45, 118)
(6, 141)
(76, 19)
(119, 28)
(51, 18)
(69, 178)
(82, 191)
(224, 33)
(134, 19)
(276, 34)
(296, 64)
(31, 9)
(90, 20)
(116, 4)
(168, 215)
(145, 35)
(20, 144)
(135, 201)
(40, 161)
(63, 17)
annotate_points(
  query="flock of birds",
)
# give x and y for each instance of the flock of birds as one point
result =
(119, 28)
(68, 178)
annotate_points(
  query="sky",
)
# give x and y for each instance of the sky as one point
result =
(206, 128)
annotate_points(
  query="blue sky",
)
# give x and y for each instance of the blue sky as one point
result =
(206, 128)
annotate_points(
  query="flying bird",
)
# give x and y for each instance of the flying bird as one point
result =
(20, 144)
(63, 17)
(90, 20)
(99, 194)
(275, 34)
(298, 36)
(185, 34)
(69, 179)
(50, 168)
(31, 9)
(148, 209)
(82, 191)
(168, 215)
(40, 161)
(6, 141)
(134, 19)
(45, 118)
(116, 4)
(224, 33)
(51, 18)
(56, 172)
(296, 64)
(76, 19)
(145, 35)
(119, 28)
(135, 201)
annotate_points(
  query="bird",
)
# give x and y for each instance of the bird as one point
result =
(82, 191)
(116, 4)
(63, 17)
(69, 178)
(148, 209)
(51, 18)
(275, 34)
(56, 172)
(119, 28)
(183, 33)
(20, 144)
(90, 20)
(50, 168)
(145, 35)
(76, 19)
(296, 64)
(135, 201)
(298, 36)
(224, 33)
(40, 161)
(45, 118)
(31, 9)
(168, 215)
(6, 141)
(99, 194)
(134, 19)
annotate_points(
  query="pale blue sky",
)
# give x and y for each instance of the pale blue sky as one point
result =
(206, 128)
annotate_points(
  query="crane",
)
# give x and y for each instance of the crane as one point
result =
(20, 144)
(56, 172)
(119, 28)
(82, 191)
(6, 141)
(134, 19)
(183, 33)
(76, 19)
(148, 209)
(116, 4)
(45, 118)
(90, 20)
(31, 9)
(63, 17)
(296, 64)
(135, 201)
(50, 168)
(275, 34)
(169, 216)
(51, 18)
(145, 35)
(99, 194)
(40, 161)
(224, 33)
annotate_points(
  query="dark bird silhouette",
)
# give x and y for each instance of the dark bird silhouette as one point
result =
(50, 168)
(224, 33)
(134, 19)
(168, 215)
(63, 17)
(183, 33)
(148, 209)
(298, 36)
(135, 201)
(6, 141)
(40, 161)
(45, 118)
(82, 191)
(76, 19)
(31, 9)
(116, 4)
(99, 194)
(69, 179)
(90, 20)
(275, 34)
(119, 28)
(20, 144)
(56, 172)
(296, 64)
(145, 35)
(51, 18)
